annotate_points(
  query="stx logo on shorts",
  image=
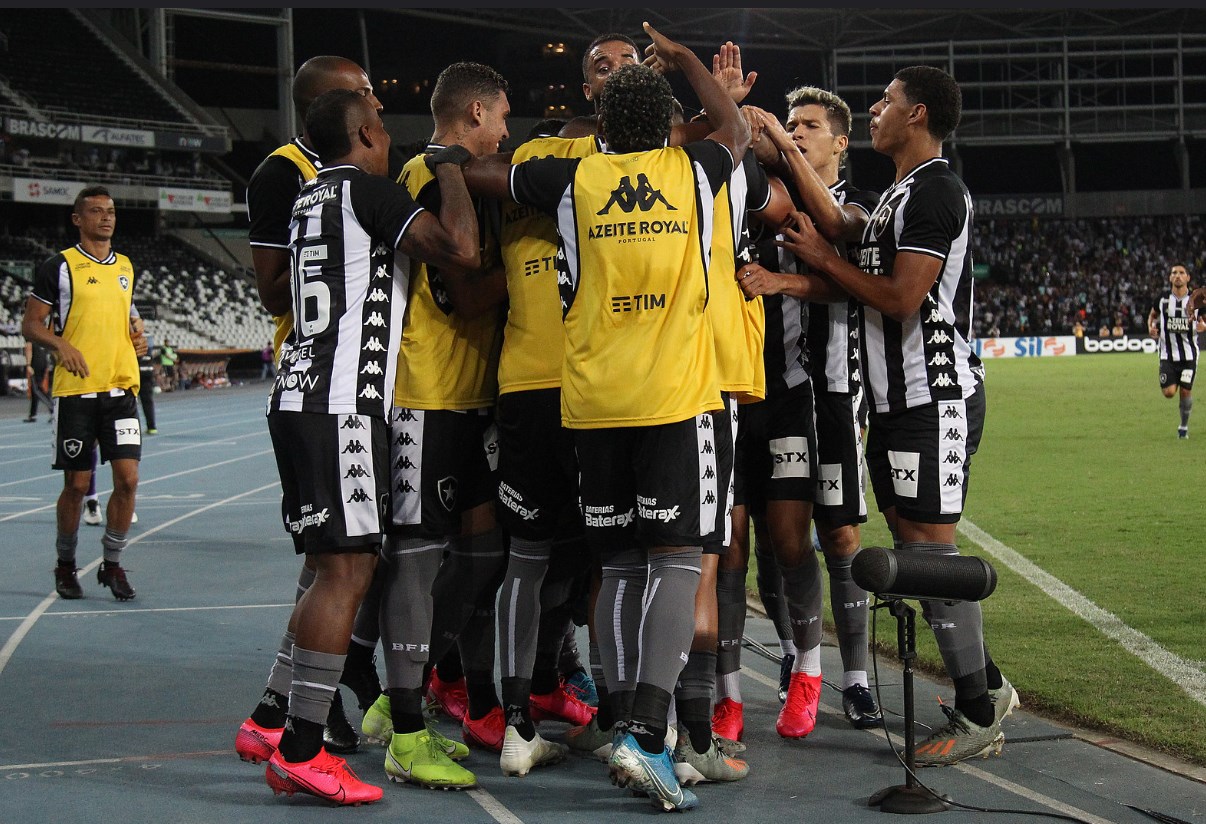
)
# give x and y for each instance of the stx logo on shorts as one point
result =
(357, 471)
(789, 457)
(72, 447)
(354, 448)
(358, 496)
(628, 198)
(352, 422)
(829, 484)
(904, 472)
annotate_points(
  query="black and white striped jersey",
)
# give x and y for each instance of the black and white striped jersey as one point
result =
(784, 355)
(349, 293)
(1175, 329)
(833, 356)
(926, 358)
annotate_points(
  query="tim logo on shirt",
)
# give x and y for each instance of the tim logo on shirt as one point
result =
(628, 197)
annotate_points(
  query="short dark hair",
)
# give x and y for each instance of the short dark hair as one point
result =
(549, 127)
(314, 76)
(327, 122)
(938, 92)
(606, 38)
(463, 82)
(836, 110)
(635, 109)
(85, 193)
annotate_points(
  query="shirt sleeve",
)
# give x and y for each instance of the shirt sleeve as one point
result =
(864, 199)
(46, 281)
(270, 195)
(542, 181)
(758, 191)
(933, 217)
(384, 209)
(714, 159)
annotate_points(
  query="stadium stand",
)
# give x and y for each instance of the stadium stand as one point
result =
(1045, 275)
(54, 59)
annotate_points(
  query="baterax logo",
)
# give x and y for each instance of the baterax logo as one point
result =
(309, 519)
(648, 509)
(602, 516)
(513, 500)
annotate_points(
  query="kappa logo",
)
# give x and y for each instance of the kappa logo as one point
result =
(353, 422)
(354, 448)
(72, 447)
(953, 457)
(357, 471)
(935, 316)
(405, 439)
(709, 474)
(643, 195)
(380, 249)
(370, 392)
(374, 345)
(940, 359)
(381, 272)
(377, 296)
(446, 489)
(375, 319)
(954, 435)
(404, 415)
(939, 336)
(709, 498)
(943, 380)
(358, 496)
(93, 280)
(707, 448)
(371, 368)
(404, 463)
(951, 480)
(404, 487)
(952, 412)
(705, 421)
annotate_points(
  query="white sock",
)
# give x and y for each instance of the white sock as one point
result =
(854, 677)
(809, 662)
(787, 647)
(729, 686)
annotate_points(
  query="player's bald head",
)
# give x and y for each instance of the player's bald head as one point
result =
(324, 73)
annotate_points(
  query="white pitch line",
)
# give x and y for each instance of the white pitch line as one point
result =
(148, 482)
(493, 807)
(291, 604)
(14, 640)
(1183, 673)
(975, 772)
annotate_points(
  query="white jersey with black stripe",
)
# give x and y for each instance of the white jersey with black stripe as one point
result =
(1176, 334)
(927, 357)
(349, 294)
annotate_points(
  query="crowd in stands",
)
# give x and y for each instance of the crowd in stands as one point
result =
(1047, 276)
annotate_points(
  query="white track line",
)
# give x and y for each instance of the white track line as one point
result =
(493, 807)
(1185, 674)
(291, 604)
(148, 482)
(10, 646)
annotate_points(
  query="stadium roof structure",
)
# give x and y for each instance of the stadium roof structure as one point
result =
(827, 29)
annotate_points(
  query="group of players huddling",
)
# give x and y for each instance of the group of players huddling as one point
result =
(509, 383)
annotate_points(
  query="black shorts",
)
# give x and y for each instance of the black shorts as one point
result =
(920, 459)
(724, 423)
(1178, 373)
(537, 467)
(648, 485)
(334, 474)
(776, 457)
(840, 480)
(82, 421)
(442, 464)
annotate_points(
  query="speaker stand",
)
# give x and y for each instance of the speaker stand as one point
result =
(908, 798)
